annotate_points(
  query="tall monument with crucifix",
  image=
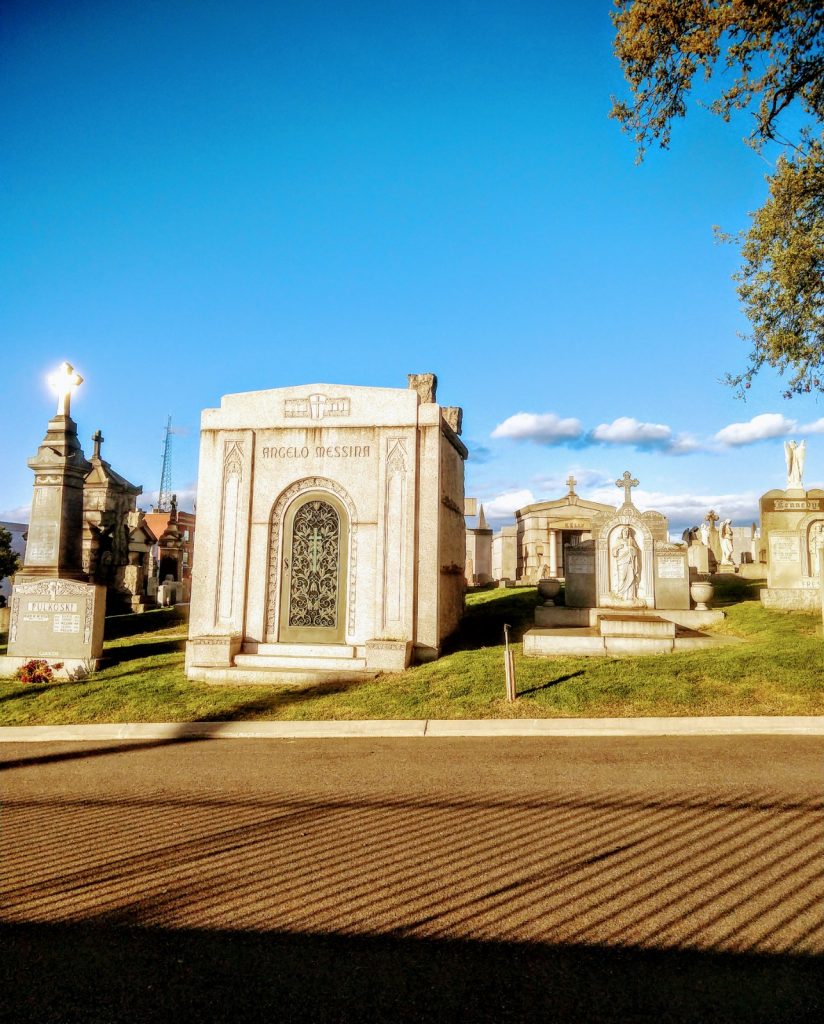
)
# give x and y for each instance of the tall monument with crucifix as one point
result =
(55, 614)
(54, 546)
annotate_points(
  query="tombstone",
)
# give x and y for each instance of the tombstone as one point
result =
(792, 525)
(479, 552)
(331, 534)
(505, 554)
(55, 614)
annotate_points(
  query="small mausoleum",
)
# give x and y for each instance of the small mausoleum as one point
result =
(627, 590)
(331, 532)
(536, 546)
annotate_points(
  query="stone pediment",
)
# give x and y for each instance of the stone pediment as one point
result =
(320, 406)
(102, 475)
(568, 505)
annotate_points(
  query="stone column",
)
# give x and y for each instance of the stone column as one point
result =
(553, 553)
(55, 542)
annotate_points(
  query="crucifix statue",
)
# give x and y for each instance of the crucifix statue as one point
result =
(627, 482)
(64, 380)
(571, 482)
(98, 439)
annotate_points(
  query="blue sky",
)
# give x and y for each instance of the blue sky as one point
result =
(202, 198)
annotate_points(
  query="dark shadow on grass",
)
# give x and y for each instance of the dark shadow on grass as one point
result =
(26, 692)
(731, 589)
(483, 624)
(551, 682)
(276, 698)
(118, 655)
(147, 622)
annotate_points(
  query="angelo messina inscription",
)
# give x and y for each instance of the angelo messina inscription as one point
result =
(316, 451)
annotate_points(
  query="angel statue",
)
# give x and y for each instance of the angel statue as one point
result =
(794, 455)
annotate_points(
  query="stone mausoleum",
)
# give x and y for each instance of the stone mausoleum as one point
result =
(331, 532)
(536, 547)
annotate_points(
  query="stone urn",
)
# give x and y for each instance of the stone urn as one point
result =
(701, 592)
(549, 589)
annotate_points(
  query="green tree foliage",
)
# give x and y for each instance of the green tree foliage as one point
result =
(8, 558)
(766, 56)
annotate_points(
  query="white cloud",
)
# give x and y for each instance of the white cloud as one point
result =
(685, 444)
(503, 506)
(21, 514)
(759, 428)
(816, 427)
(542, 428)
(628, 430)
(687, 509)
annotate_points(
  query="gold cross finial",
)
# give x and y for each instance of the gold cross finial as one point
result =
(571, 482)
(64, 380)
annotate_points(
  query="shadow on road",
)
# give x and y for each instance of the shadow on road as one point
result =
(101, 974)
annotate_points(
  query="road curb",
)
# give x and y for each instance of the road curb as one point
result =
(731, 725)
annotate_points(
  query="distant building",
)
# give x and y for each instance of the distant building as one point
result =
(158, 523)
(19, 532)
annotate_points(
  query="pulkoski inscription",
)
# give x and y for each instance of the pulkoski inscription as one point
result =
(670, 567)
(332, 451)
(785, 549)
(580, 563)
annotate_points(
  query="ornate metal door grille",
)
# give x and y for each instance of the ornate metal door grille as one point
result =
(313, 590)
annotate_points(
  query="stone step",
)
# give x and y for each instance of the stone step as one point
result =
(301, 663)
(301, 650)
(276, 677)
(652, 626)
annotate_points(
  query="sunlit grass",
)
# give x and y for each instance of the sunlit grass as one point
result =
(778, 670)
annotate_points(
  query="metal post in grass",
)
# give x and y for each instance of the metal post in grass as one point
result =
(509, 667)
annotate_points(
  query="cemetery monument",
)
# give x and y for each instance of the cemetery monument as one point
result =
(331, 535)
(628, 591)
(56, 615)
(792, 531)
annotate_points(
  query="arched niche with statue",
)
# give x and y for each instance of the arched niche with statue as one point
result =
(624, 554)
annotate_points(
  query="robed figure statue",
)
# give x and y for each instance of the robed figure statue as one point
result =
(626, 561)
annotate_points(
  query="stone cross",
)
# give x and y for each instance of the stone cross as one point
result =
(315, 548)
(712, 517)
(627, 482)
(98, 439)
(571, 482)
(64, 380)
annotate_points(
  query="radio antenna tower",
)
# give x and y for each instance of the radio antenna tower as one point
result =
(164, 497)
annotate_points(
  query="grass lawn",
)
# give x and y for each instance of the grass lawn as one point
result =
(778, 671)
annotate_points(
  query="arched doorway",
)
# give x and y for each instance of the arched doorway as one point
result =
(313, 570)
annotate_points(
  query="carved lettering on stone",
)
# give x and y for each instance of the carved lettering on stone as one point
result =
(785, 549)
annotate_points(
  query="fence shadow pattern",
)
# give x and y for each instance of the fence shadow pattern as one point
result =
(733, 874)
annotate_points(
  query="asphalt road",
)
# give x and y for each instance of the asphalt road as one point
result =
(479, 879)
